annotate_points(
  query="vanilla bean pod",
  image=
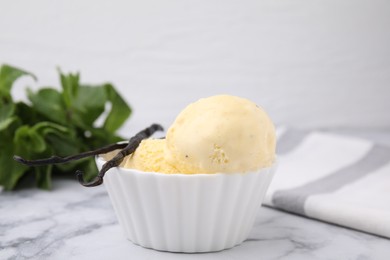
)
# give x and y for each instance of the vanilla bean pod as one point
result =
(57, 160)
(116, 161)
(127, 148)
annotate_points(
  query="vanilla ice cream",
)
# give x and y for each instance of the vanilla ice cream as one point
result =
(221, 134)
(149, 157)
(216, 134)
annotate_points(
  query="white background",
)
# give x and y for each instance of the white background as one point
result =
(310, 64)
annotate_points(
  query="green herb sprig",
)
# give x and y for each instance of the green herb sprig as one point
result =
(55, 122)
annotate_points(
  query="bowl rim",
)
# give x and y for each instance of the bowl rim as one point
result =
(99, 160)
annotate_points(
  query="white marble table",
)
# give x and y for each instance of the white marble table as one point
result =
(73, 222)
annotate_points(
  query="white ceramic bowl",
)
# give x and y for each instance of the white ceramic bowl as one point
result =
(186, 212)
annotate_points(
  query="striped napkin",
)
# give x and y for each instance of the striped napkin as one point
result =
(337, 179)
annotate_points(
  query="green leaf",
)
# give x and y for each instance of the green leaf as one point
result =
(88, 105)
(6, 110)
(8, 75)
(50, 128)
(120, 110)
(70, 86)
(101, 137)
(27, 114)
(62, 141)
(43, 176)
(6, 115)
(30, 139)
(10, 171)
(49, 103)
(4, 124)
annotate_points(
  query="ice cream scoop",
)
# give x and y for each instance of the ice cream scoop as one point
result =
(221, 134)
(216, 134)
(149, 157)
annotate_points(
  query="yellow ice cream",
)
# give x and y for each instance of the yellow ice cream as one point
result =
(216, 134)
(149, 157)
(221, 134)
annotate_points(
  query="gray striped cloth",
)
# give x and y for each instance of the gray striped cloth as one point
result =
(337, 179)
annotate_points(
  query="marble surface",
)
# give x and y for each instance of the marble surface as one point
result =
(74, 222)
